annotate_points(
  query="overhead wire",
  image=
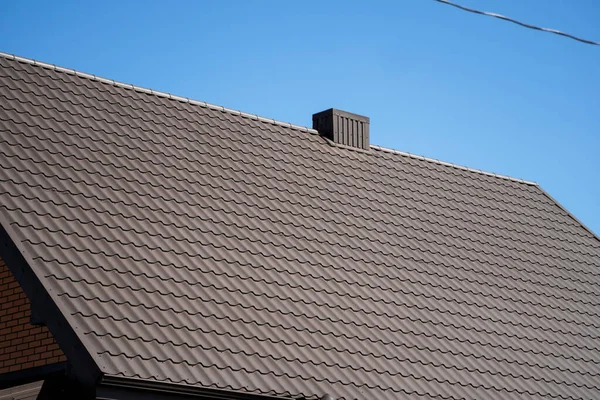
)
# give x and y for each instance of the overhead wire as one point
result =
(502, 17)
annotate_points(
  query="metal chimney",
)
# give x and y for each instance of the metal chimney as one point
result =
(343, 127)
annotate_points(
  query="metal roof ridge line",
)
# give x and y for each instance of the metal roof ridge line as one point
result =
(156, 93)
(448, 164)
(238, 113)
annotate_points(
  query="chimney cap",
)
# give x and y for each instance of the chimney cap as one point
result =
(337, 111)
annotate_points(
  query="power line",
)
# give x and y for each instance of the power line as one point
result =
(489, 14)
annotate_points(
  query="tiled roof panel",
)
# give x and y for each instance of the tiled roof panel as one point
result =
(196, 246)
(28, 391)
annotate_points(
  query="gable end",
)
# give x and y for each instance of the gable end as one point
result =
(80, 364)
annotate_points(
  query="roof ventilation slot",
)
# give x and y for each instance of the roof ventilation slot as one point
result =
(343, 127)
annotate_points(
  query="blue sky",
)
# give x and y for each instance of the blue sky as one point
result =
(435, 81)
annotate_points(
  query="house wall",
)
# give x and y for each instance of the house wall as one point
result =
(22, 345)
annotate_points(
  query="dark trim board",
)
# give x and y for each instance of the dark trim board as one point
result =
(63, 387)
(17, 378)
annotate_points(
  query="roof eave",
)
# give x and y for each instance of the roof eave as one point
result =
(119, 388)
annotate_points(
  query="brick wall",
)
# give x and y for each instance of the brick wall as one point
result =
(22, 345)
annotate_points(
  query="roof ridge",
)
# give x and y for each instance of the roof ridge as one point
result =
(448, 164)
(242, 114)
(156, 93)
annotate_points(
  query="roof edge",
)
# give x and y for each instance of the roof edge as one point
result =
(447, 164)
(584, 226)
(157, 93)
(122, 388)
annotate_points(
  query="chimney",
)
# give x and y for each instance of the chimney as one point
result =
(343, 127)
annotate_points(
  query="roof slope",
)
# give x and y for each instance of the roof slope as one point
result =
(196, 246)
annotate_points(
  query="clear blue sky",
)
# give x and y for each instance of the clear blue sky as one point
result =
(435, 81)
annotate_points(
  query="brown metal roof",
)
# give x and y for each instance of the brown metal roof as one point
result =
(198, 246)
(28, 391)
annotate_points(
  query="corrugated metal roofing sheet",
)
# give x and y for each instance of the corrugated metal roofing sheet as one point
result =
(196, 246)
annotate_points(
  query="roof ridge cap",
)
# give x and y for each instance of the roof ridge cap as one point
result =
(448, 164)
(156, 93)
(243, 114)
